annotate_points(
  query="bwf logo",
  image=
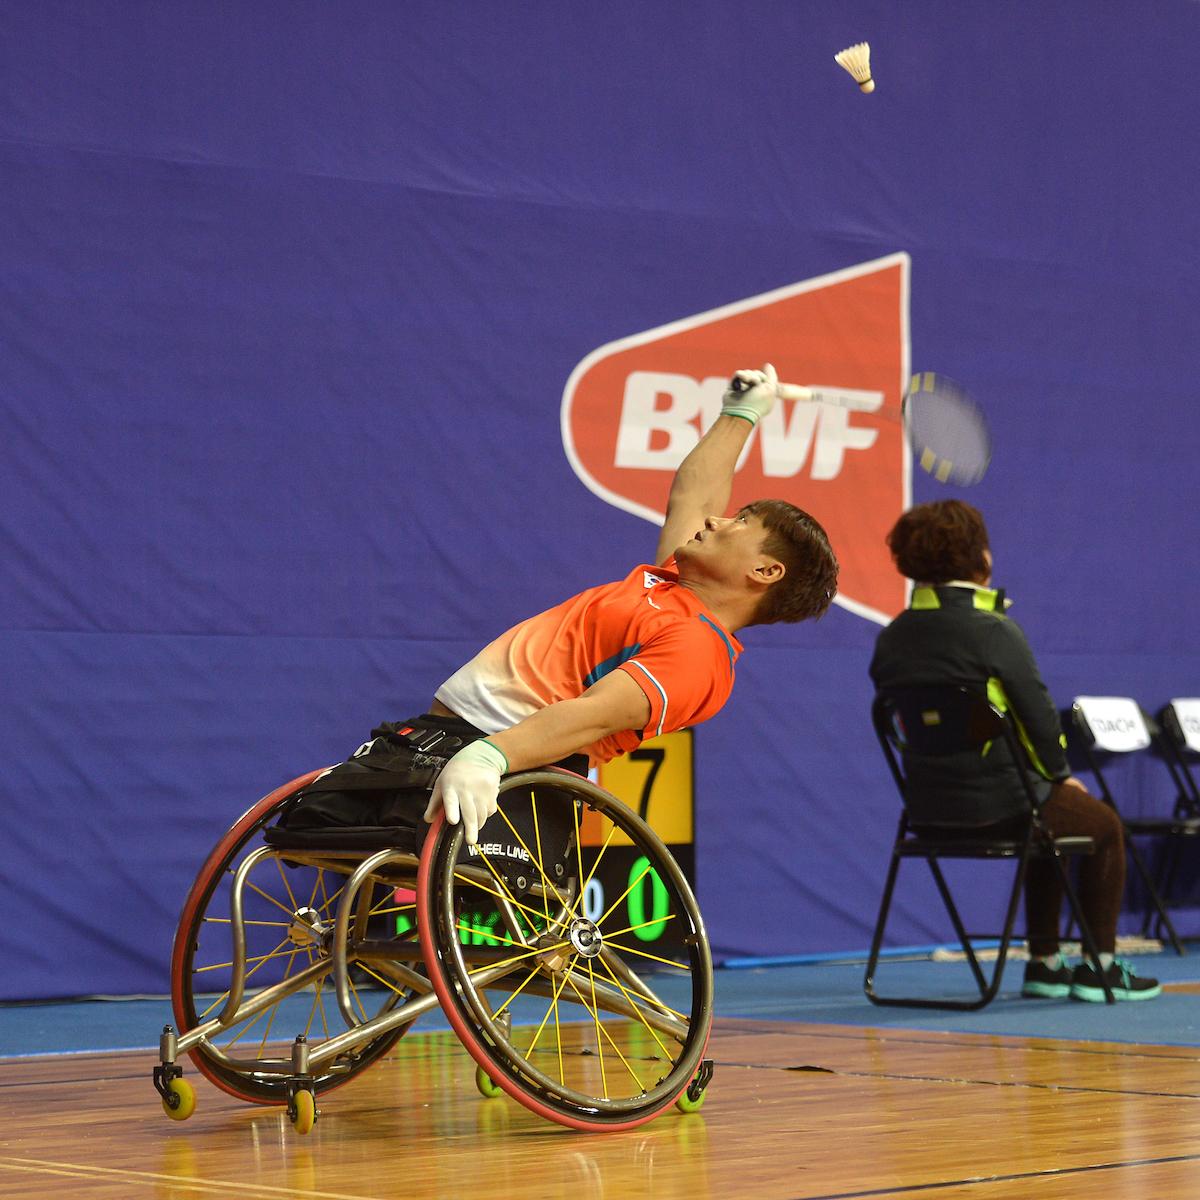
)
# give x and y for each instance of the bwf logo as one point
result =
(658, 426)
(633, 409)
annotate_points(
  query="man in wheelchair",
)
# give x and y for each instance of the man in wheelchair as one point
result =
(652, 653)
(317, 907)
(594, 676)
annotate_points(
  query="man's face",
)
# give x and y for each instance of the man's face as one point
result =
(728, 547)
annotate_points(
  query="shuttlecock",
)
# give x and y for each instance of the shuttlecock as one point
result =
(857, 60)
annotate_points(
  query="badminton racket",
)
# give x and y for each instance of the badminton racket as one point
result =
(946, 428)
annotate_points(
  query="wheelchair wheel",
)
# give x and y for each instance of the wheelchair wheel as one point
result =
(288, 914)
(593, 1012)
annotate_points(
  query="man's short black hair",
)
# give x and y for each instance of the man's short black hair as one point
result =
(797, 540)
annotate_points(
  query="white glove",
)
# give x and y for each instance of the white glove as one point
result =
(468, 785)
(751, 394)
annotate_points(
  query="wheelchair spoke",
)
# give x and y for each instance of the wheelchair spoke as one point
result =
(274, 1011)
(260, 959)
(595, 866)
(387, 983)
(463, 927)
(645, 954)
(632, 884)
(504, 962)
(200, 1018)
(488, 891)
(318, 1004)
(535, 859)
(267, 896)
(362, 1012)
(573, 911)
(551, 1007)
(245, 1029)
(633, 1004)
(229, 921)
(499, 878)
(642, 925)
(325, 893)
(537, 837)
(602, 1032)
(318, 886)
(505, 895)
(596, 1021)
(532, 975)
(287, 887)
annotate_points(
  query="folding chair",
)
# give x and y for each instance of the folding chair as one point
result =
(1179, 723)
(1179, 736)
(1108, 728)
(935, 723)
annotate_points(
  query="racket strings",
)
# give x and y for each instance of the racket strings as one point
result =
(947, 429)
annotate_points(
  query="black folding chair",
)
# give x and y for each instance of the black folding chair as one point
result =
(936, 723)
(1109, 727)
(1179, 730)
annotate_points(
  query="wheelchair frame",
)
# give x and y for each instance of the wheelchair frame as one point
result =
(542, 944)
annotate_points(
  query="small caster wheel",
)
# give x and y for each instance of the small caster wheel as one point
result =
(303, 1111)
(179, 1102)
(691, 1099)
(487, 1089)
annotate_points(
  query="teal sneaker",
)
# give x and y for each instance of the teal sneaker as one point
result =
(1046, 983)
(1125, 985)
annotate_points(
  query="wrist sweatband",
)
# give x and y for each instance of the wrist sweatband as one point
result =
(747, 414)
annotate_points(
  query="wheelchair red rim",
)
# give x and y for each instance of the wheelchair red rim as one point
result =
(466, 1035)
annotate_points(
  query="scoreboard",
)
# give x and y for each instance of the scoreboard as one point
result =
(656, 781)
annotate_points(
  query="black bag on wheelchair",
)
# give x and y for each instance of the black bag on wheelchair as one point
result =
(383, 786)
(377, 798)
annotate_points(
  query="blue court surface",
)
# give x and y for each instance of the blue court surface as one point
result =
(816, 992)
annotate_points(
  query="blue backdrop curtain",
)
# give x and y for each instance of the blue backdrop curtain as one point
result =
(291, 292)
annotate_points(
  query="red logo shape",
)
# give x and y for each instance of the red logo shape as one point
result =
(632, 410)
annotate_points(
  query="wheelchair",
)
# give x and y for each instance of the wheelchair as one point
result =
(302, 957)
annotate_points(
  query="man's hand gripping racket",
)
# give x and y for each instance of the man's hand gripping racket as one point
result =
(751, 394)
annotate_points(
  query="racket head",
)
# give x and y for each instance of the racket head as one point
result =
(947, 429)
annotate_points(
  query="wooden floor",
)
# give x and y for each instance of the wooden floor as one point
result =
(794, 1111)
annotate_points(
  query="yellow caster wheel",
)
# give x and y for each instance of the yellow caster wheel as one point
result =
(180, 1101)
(691, 1099)
(303, 1111)
(487, 1089)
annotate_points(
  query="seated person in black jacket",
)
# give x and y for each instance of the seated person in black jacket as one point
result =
(955, 632)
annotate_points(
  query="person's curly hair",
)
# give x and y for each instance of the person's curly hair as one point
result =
(938, 542)
(811, 569)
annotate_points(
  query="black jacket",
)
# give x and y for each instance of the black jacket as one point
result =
(960, 635)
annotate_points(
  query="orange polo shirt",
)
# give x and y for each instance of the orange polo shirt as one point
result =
(648, 625)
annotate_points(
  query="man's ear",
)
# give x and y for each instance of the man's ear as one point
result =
(770, 571)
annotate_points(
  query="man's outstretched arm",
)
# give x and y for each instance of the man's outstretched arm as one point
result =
(703, 484)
